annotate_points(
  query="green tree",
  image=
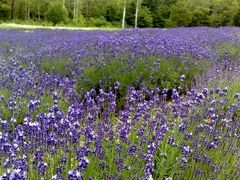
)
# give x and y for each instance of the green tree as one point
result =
(200, 16)
(130, 14)
(180, 14)
(160, 10)
(5, 10)
(223, 12)
(56, 13)
(170, 13)
(236, 20)
(145, 17)
(112, 13)
(160, 15)
(94, 8)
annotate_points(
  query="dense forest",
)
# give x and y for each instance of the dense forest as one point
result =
(123, 13)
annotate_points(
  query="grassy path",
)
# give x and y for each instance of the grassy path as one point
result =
(22, 26)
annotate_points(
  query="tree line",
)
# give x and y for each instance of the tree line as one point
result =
(124, 13)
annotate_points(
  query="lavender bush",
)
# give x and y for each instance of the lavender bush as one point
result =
(120, 104)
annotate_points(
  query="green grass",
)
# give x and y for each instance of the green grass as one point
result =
(4, 111)
(166, 74)
(61, 66)
(228, 50)
(231, 81)
(22, 106)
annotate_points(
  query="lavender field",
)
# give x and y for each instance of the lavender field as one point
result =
(117, 105)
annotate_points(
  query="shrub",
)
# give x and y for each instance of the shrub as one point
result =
(112, 13)
(236, 20)
(81, 21)
(145, 18)
(4, 11)
(200, 16)
(180, 15)
(97, 22)
(56, 13)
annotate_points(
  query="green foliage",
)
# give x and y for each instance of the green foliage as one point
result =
(145, 18)
(200, 16)
(223, 12)
(21, 107)
(81, 21)
(112, 13)
(154, 72)
(4, 111)
(4, 10)
(227, 80)
(108, 13)
(160, 16)
(228, 50)
(56, 13)
(236, 20)
(47, 100)
(130, 14)
(234, 88)
(98, 22)
(181, 15)
(160, 10)
(56, 65)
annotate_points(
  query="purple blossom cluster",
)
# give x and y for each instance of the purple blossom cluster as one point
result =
(197, 42)
(49, 131)
(88, 136)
